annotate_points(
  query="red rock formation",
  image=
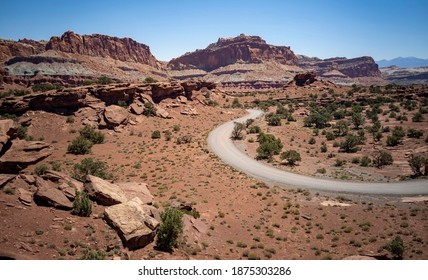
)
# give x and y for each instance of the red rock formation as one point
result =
(251, 49)
(124, 49)
(304, 79)
(364, 66)
(24, 47)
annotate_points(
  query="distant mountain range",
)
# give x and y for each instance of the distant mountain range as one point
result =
(403, 62)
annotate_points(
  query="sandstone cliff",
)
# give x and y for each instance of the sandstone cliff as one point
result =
(363, 66)
(24, 47)
(123, 49)
(226, 51)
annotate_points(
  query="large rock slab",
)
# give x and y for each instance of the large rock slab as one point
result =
(104, 192)
(161, 112)
(134, 225)
(61, 178)
(137, 108)
(22, 154)
(115, 115)
(7, 131)
(134, 189)
(25, 197)
(48, 194)
(5, 178)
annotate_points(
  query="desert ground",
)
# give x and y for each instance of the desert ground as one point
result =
(238, 217)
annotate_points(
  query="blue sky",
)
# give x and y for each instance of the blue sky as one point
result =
(378, 28)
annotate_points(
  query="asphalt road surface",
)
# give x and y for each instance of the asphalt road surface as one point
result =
(221, 144)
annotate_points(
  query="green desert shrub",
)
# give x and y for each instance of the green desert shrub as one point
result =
(292, 157)
(92, 134)
(82, 205)
(40, 169)
(80, 146)
(268, 146)
(149, 109)
(396, 247)
(156, 134)
(88, 254)
(89, 166)
(46, 87)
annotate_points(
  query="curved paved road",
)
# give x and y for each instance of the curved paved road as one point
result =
(220, 143)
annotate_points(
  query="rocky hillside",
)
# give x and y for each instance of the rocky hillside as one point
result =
(123, 49)
(405, 76)
(226, 51)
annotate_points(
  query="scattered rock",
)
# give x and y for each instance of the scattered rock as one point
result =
(182, 99)
(135, 227)
(115, 115)
(47, 194)
(161, 112)
(27, 247)
(103, 192)
(137, 108)
(67, 184)
(187, 206)
(306, 217)
(28, 178)
(22, 154)
(88, 115)
(134, 189)
(25, 197)
(334, 203)
(189, 111)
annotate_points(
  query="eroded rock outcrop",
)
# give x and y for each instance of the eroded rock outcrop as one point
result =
(24, 47)
(353, 67)
(100, 96)
(304, 79)
(124, 49)
(250, 49)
